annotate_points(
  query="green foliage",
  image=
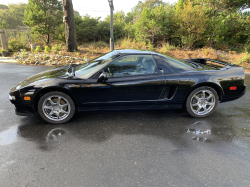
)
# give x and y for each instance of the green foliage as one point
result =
(192, 21)
(155, 24)
(47, 49)
(247, 48)
(245, 58)
(45, 57)
(220, 24)
(38, 49)
(56, 48)
(16, 44)
(12, 16)
(150, 47)
(43, 17)
(3, 24)
(168, 47)
(23, 54)
(3, 6)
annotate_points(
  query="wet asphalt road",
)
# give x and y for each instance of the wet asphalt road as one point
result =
(148, 148)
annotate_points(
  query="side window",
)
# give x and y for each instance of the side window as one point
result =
(162, 64)
(131, 65)
(177, 66)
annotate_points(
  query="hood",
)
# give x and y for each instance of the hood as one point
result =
(55, 73)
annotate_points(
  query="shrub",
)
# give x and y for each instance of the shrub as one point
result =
(150, 47)
(46, 49)
(167, 47)
(56, 48)
(16, 45)
(247, 48)
(245, 58)
(38, 49)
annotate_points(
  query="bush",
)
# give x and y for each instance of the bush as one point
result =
(56, 48)
(16, 45)
(168, 47)
(38, 49)
(46, 49)
(247, 48)
(245, 58)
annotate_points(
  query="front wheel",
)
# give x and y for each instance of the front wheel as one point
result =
(56, 107)
(202, 102)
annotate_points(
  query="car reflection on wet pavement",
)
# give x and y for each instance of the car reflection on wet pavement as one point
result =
(146, 148)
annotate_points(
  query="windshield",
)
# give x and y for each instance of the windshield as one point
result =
(85, 70)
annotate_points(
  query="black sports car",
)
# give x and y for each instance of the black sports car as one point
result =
(129, 80)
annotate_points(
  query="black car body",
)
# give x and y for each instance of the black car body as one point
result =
(129, 80)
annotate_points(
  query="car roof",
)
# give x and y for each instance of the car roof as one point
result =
(134, 51)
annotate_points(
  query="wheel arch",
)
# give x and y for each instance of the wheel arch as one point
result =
(216, 87)
(46, 90)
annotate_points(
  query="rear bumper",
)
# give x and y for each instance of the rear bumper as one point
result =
(242, 92)
(25, 111)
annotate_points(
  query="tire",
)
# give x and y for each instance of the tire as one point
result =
(198, 106)
(55, 113)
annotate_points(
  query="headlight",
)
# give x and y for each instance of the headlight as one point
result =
(12, 97)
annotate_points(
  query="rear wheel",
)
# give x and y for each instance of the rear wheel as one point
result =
(202, 102)
(56, 107)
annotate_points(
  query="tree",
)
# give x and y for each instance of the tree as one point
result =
(192, 21)
(3, 24)
(134, 15)
(70, 32)
(86, 29)
(43, 17)
(154, 24)
(12, 15)
(3, 6)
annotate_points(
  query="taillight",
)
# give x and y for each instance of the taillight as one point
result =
(233, 88)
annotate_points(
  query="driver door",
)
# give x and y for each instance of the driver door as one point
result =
(134, 81)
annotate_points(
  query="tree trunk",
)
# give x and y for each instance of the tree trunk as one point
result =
(70, 33)
(47, 42)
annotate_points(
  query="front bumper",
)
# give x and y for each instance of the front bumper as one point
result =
(25, 111)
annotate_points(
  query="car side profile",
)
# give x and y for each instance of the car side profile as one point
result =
(129, 80)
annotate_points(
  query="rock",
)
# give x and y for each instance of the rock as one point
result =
(37, 63)
(54, 63)
(79, 59)
(16, 57)
(77, 63)
(50, 60)
(43, 63)
(32, 62)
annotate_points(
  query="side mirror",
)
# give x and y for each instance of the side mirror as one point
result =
(103, 77)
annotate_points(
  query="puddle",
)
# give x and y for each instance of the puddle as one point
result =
(8, 136)
(54, 134)
(201, 130)
(200, 139)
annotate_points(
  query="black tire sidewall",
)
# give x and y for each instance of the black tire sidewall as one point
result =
(72, 107)
(188, 107)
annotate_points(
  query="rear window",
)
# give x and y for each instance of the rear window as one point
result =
(215, 64)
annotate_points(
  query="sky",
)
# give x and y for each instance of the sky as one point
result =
(96, 8)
